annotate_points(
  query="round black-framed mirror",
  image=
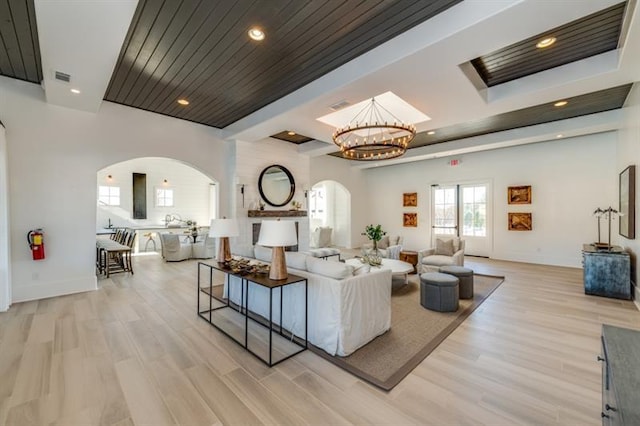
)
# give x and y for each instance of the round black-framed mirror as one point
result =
(276, 185)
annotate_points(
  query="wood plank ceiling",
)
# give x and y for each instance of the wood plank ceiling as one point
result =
(19, 47)
(591, 35)
(200, 51)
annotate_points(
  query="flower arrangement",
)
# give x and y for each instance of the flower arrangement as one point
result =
(375, 234)
(296, 205)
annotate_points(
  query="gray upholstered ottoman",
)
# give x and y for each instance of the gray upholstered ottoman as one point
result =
(439, 292)
(465, 276)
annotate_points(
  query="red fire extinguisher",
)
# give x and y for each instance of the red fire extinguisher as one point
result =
(36, 242)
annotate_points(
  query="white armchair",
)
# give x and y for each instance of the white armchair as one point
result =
(175, 248)
(204, 249)
(446, 253)
(389, 247)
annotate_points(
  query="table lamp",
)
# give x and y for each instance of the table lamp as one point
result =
(278, 234)
(223, 229)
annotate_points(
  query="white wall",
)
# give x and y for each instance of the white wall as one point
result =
(253, 157)
(628, 154)
(569, 179)
(5, 258)
(354, 180)
(190, 191)
(54, 155)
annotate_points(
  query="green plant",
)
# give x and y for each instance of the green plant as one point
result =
(374, 233)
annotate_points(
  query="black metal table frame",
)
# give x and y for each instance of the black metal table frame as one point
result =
(244, 302)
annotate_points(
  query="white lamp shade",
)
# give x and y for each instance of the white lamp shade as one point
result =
(277, 233)
(224, 228)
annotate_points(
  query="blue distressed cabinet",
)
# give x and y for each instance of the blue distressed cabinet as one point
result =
(607, 273)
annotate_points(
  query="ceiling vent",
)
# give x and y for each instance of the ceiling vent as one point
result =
(339, 105)
(63, 77)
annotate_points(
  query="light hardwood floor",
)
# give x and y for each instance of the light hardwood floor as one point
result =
(134, 352)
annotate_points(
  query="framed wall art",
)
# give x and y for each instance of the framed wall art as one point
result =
(520, 222)
(627, 208)
(519, 194)
(410, 199)
(410, 219)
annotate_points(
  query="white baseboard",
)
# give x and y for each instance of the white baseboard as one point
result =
(53, 288)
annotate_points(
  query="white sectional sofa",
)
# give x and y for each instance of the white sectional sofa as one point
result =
(345, 311)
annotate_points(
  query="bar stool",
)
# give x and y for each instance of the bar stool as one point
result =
(150, 239)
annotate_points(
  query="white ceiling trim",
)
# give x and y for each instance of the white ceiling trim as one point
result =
(572, 127)
(83, 39)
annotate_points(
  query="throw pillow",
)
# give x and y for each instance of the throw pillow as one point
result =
(444, 248)
(336, 270)
(324, 240)
(384, 242)
(314, 238)
(456, 244)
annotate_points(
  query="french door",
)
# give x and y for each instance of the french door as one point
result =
(463, 210)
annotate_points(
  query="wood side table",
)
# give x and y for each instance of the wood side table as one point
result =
(410, 257)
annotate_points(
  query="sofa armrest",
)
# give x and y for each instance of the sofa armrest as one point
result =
(458, 258)
(365, 301)
(425, 253)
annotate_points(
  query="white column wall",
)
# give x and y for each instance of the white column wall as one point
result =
(54, 154)
(629, 154)
(251, 158)
(5, 255)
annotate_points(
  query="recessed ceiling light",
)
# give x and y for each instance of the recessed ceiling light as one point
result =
(76, 91)
(545, 42)
(291, 133)
(256, 34)
(431, 132)
(559, 135)
(183, 102)
(560, 103)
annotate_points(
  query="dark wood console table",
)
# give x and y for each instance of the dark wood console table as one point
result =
(244, 326)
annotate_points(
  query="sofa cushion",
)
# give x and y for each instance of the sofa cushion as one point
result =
(444, 247)
(384, 242)
(296, 260)
(437, 260)
(262, 253)
(336, 270)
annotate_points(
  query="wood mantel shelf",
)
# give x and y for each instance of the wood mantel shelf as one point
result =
(277, 213)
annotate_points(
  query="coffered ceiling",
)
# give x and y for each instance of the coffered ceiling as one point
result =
(472, 66)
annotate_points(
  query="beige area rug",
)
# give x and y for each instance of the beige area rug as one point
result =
(415, 332)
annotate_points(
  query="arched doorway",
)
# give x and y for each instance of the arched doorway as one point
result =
(150, 194)
(330, 205)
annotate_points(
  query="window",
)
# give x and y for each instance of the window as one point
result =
(164, 197)
(318, 203)
(445, 210)
(474, 211)
(109, 195)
